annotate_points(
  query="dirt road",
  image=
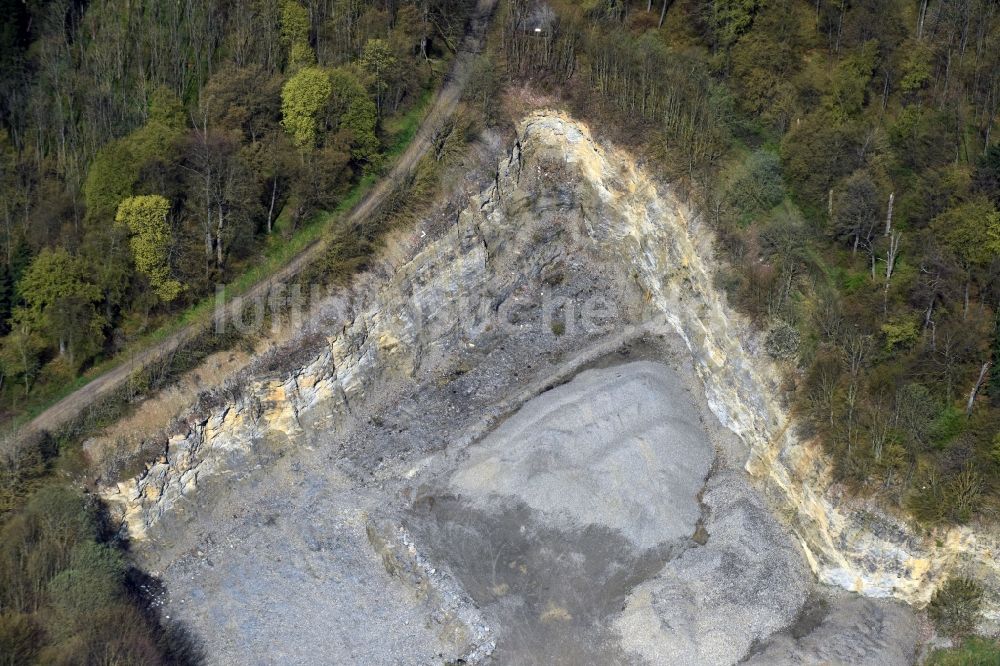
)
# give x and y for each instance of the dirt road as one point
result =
(443, 106)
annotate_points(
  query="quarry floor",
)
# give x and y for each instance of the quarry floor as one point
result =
(606, 520)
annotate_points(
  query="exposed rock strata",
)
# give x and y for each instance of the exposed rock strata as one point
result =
(460, 290)
(848, 543)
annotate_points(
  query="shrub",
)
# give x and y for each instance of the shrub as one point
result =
(950, 423)
(954, 499)
(93, 581)
(755, 186)
(955, 607)
(782, 341)
(64, 594)
(902, 333)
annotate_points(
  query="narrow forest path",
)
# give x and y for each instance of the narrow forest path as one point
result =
(444, 105)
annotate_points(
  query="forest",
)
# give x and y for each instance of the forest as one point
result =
(844, 152)
(136, 174)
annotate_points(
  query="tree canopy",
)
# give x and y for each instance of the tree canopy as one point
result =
(145, 217)
(302, 98)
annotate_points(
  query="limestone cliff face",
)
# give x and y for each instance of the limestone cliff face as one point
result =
(411, 318)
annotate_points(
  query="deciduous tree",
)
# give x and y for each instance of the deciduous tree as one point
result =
(295, 35)
(146, 219)
(302, 99)
(60, 303)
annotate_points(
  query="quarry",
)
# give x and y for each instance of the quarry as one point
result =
(536, 433)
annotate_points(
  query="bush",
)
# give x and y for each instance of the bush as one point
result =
(954, 499)
(93, 582)
(955, 607)
(901, 333)
(782, 341)
(755, 186)
(950, 423)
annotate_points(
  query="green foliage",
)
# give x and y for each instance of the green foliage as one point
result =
(972, 230)
(850, 82)
(855, 211)
(92, 580)
(54, 275)
(993, 385)
(166, 117)
(484, 88)
(955, 607)
(900, 333)
(21, 637)
(116, 166)
(38, 543)
(731, 18)
(294, 22)
(815, 153)
(64, 597)
(198, 121)
(916, 407)
(379, 61)
(295, 34)
(146, 218)
(354, 112)
(995, 451)
(109, 179)
(918, 66)
(922, 137)
(972, 652)
(302, 98)
(59, 302)
(938, 500)
(948, 425)
(763, 63)
(853, 281)
(756, 185)
(986, 179)
(20, 351)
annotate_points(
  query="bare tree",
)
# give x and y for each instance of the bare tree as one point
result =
(890, 264)
(975, 388)
(856, 349)
(888, 215)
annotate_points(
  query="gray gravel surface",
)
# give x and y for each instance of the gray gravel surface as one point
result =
(710, 604)
(622, 448)
(851, 631)
(308, 573)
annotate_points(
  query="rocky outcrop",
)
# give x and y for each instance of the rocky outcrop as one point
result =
(453, 291)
